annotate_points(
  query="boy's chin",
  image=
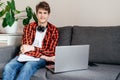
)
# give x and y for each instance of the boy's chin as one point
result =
(43, 22)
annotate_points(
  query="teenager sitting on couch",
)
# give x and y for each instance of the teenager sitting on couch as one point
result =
(39, 40)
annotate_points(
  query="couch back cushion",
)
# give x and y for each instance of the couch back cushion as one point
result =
(7, 53)
(104, 42)
(64, 35)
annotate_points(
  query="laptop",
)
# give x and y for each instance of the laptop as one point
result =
(70, 58)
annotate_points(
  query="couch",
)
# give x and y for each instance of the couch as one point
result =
(104, 57)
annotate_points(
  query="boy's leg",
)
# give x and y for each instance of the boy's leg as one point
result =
(30, 68)
(11, 69)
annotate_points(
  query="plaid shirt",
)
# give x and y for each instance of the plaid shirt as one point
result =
(48, 44)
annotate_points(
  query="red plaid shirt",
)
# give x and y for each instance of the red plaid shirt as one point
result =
(48, 44)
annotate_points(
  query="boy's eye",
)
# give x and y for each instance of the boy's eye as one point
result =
(45, 12)
(40, 12)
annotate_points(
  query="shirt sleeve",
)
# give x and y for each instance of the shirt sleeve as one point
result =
(25, 35)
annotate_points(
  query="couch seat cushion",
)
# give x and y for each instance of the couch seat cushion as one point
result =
(1, 69)
(99, 72)
(118, 77)
(39, 75)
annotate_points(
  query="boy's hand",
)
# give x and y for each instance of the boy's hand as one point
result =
(26, 48)
(48, 58)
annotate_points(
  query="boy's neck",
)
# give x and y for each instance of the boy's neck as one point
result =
(42, 24)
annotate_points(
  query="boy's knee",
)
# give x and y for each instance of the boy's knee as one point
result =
(27, 67)
(8, 68)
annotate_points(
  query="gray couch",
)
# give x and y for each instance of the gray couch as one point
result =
(104, 58)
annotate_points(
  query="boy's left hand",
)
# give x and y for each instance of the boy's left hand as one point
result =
(26, 48)
(48, 58)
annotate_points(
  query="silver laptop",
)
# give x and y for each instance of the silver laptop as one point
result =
(70, 58)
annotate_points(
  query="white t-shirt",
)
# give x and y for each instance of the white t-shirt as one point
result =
(39, 38)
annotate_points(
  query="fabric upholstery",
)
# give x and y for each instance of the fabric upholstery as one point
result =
(118, 77)
(40, 75)
(99, 72)
(64, 35)
(104, 42)
(1, 69)
(6, 53)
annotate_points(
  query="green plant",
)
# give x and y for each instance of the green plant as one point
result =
(8, 12)
(30, 15)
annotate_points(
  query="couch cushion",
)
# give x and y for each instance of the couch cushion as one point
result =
(64, 35)
(99, 72)
(1, 69)
(118, 77)
(104, 42)
(39, 75)
(7, 53)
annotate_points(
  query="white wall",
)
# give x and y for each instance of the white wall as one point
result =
(79, 12)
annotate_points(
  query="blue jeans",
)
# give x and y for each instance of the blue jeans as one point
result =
(15, 70)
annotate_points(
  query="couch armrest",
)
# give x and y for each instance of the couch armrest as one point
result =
(7, 53)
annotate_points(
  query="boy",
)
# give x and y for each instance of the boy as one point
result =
(39, 40)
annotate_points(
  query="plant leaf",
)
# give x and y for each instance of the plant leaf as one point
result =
(10, 18)
(4, 23)
(17, 12)
(1, 4)
(34, 17)
(29, 12)
(11, 4)
(2, 13)
(26, 21)
(29, 16)
(7, 8)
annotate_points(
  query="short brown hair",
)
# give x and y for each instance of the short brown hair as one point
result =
(44, 5)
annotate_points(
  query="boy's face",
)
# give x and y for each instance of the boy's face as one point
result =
(42, 15)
